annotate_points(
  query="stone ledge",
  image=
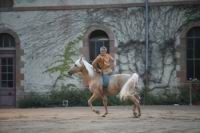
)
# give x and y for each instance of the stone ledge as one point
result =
(97, 6)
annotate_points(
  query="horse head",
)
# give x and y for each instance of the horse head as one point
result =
(81, 65)
(77, 67)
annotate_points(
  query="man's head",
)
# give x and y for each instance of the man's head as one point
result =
(103, 50)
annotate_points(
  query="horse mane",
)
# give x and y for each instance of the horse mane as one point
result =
(89, 68)
(87, 65)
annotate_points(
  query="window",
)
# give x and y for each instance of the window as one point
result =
(6, 3)
(7, 68)
(193, 53)
(6, 41)
(97, 39)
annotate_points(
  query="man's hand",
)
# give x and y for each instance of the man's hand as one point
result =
(98, 70)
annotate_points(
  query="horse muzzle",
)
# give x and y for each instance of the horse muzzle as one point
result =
(70, 73)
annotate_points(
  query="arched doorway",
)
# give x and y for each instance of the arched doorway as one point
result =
(188, 59)
(193, 54)
(97, 39)
(7, 70)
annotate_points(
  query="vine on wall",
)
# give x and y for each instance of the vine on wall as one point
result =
(65, 60)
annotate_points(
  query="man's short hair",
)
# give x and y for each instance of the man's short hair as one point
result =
(103, 48)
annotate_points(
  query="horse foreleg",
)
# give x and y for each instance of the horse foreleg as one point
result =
(92, 98)
(105, 101)
(134, 110)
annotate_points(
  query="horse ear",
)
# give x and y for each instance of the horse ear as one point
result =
(81, 59)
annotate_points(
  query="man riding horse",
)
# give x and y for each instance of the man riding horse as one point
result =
(126, 85)
(104, 64)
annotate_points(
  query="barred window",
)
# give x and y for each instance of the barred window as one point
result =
(97, 39)
(6, 71)
(193, 53)
(6, 3)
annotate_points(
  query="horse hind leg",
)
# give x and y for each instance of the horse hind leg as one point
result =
(138, 100)
(134, 111)
(135, 106)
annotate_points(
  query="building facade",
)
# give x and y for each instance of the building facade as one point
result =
(35, 35)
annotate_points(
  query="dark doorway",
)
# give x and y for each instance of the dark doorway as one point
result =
(97, 39)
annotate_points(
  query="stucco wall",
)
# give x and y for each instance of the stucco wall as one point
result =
(19, 3)
(30, 3)
(44, 35)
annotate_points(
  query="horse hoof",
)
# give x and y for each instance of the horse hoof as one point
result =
(97, 112)
(104, 115)
(135, 115)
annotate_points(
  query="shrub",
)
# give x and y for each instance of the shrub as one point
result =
(166, 98)
(75, 97)
(181, 98)
(34, 100)
(185, 92)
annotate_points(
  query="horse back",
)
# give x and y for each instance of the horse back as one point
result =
(116, 83)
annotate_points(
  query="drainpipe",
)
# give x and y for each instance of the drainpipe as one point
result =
(146, 50)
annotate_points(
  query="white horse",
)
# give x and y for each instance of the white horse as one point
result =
(126, 84)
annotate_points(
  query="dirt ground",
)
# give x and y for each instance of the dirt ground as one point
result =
(154, 119)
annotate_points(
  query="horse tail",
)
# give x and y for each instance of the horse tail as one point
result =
(130, 87)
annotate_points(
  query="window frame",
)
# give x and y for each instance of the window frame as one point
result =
(94, 39)
(193, 57)
(7, 3)
(8, 52)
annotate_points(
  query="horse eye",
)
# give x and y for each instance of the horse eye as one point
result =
(75, 65)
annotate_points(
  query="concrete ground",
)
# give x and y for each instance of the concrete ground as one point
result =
(154, 119)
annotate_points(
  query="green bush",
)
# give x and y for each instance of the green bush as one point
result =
(34, 100)
(185, 92)
(171, 98)
(114, 100)
(184, 95)
(159, 99)
(75, 97)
